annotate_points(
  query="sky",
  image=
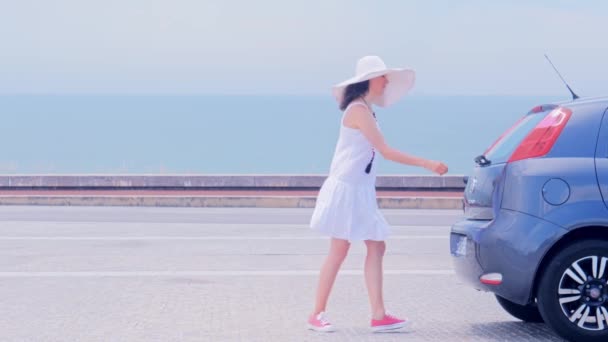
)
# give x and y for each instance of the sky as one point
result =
(299, 47)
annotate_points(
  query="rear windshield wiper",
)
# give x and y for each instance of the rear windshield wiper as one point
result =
(481, 160)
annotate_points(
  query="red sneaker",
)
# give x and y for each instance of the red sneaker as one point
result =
(388, 323)
(319, 323)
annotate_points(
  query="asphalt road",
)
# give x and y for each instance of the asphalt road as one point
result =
(187, 274)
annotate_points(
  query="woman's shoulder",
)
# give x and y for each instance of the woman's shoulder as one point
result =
(357, 105)
(354, 113)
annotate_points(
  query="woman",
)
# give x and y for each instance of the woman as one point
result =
(346, 208)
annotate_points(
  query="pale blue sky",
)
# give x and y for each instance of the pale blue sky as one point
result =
(299, 47)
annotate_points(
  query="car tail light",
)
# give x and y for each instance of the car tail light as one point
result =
(540, 141)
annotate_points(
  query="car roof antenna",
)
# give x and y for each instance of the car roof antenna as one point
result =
(574, 96)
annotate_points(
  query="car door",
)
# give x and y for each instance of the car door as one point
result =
(601, 158)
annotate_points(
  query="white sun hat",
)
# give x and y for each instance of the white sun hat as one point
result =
(400, 81)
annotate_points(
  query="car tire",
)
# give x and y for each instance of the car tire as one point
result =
(527, 313)
(572, 294)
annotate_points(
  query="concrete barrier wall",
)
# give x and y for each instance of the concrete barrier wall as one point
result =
(275, 191)
(220, 202)
(217, 181)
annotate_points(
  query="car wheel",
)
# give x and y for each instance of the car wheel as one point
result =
(573, 292)
(527, 313)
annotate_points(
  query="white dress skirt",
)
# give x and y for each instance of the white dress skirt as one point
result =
(346, 207)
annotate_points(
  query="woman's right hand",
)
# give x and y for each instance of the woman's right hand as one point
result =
(437, 167)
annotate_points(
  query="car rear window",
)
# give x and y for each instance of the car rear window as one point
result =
(504, 147)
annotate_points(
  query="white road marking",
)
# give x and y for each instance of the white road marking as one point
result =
(199, 238)
(227, 273)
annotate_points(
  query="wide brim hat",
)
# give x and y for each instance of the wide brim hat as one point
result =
(400, 81)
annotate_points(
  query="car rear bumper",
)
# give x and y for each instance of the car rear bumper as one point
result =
(512, 245)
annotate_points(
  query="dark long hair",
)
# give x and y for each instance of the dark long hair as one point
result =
(353, 92)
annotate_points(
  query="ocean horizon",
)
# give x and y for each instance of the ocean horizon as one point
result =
(237, 134)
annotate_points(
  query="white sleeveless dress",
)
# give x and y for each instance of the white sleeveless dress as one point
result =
(346, 206)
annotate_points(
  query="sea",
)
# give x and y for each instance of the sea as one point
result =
(237, 134)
